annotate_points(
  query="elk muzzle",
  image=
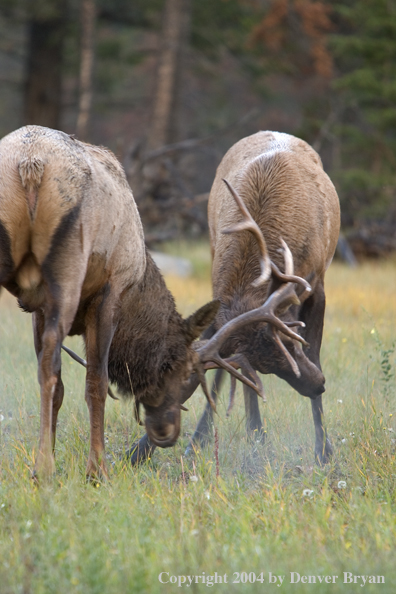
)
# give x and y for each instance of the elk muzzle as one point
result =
(311, 382)
(163, 426)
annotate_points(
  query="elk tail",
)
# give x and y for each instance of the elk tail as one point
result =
(31, 171)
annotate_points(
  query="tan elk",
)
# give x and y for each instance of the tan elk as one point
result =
(72, 251)
(278, 191)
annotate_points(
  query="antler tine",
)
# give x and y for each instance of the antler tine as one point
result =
(240, 360)
(249, 224)
(231, 365)
(289, 264)
(83, 362)
(137, 413)
(289, 276)
(202, 380)
(284, 350)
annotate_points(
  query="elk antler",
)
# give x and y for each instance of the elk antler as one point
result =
(249, 224)
(239, 360)
(285, 296)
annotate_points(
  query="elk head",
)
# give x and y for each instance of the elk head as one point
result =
(162, 403)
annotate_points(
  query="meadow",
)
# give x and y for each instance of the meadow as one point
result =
(250, 511)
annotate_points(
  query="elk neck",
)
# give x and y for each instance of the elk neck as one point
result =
(149, 340)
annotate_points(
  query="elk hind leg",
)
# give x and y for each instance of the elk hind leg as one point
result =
(57, 399)
(51, 326)
(48, 375)
(98, 336)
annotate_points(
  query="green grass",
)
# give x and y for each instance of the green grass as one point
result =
(268, 511)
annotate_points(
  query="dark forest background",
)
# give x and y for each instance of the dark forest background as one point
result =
(170, 85)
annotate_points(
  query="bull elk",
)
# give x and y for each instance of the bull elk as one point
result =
(276, 189)
(72, 251)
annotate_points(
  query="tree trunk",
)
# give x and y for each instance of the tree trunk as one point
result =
(175, 33)
(153, 179)
(88, 15)
(43, 90)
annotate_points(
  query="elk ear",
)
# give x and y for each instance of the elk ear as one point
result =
(198, 321)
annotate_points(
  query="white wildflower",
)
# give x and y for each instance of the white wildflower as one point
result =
(342, 484)
(308, 493)
(193, 478)
(339, 401)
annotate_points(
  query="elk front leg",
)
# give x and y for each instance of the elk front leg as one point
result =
(254, 427)
(140, 451)
(323, 449)
(312, 314)
(98, 336)
(202, 431)
(95, 396)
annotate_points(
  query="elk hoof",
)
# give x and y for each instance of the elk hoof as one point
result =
(324, 456)
(44, 469)
(189, 451)
(96, 472)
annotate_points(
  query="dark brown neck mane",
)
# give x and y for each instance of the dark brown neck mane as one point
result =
(148, 340)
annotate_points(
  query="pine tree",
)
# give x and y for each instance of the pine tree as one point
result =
(364, 50)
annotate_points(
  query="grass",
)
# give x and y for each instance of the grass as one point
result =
(268, 511)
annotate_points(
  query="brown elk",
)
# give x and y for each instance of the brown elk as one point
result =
(279, 183)
(72, 251)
